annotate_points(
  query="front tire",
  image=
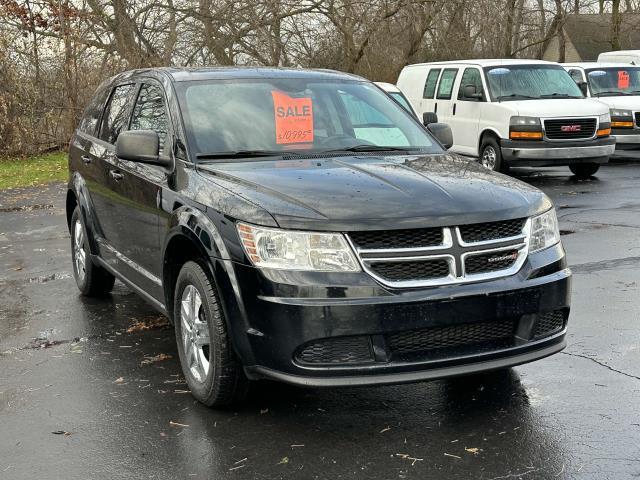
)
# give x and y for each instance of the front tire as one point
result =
(491, 156)
(210, 366)
(584, 170)
(92, 279)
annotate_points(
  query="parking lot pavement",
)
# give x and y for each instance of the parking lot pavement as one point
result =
(93, 389)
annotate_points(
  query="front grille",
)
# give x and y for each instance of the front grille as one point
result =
(549, 323)
(411, 270)
(413, 258)
(339, 350)
(562, 128)
(490, 262)
(482, 232)
(464, 338)
(408, 238)
(637, 119)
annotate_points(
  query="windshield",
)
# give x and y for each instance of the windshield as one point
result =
(402, 100)
(295, 116)
(530, 82)
(614, 81)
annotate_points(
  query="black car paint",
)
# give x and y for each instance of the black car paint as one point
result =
(150, 210)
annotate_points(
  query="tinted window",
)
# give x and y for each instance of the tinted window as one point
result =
(614, 81)
(303, 115)
(92, 113)
(471, 76)
(430, 83)
(576, 75)
(116, 115)
(149, 112)
(446, 83)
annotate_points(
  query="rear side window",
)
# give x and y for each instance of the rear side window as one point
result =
(446, 83)
(430, 83)
(471, 76)
(149, 112)
(116, 114)
(576, 75)
(91, 115)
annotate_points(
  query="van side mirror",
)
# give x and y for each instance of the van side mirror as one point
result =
(141, 146)
(471, 92)
(443, 134)
(583, 88)
(429, 118)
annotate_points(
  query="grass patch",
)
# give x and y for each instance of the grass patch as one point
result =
(36, 170)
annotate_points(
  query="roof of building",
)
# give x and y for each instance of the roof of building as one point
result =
(590, 34)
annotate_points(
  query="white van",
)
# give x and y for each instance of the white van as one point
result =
(617, 85)
(512, 112)
(621, 56)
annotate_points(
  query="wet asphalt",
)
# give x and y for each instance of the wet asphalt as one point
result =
(92, 389)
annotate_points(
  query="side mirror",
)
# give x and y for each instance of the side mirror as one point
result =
(141, 146)
(471, 92)
(583, 88)
(443, 134)
(429, 118)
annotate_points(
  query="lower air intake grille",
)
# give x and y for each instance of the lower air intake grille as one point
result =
(465, 338)
(549, 323)
(411, 270)
(339, 350)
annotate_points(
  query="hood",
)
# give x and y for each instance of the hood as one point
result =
(376, 192)
(565, 107)
(623, 102)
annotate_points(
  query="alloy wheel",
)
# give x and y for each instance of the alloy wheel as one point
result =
(80, 254)
(195, 333)
(489, 158)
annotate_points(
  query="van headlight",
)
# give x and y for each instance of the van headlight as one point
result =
(604, 118)
(544, 231)
(295, 250)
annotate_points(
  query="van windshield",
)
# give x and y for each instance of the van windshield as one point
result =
(614, 81)
(530, 82)
(254, 117)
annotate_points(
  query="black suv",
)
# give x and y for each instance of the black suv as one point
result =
(302, 226)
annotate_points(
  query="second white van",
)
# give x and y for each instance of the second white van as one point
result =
(512, 113)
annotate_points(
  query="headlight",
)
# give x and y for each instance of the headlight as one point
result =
(619, 112)
(294, 250)
(544, 231)
(520, 121)
(605, 118)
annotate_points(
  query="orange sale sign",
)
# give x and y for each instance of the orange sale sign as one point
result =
(293, 117)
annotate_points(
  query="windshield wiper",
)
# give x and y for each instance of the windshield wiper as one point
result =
(611, 94)
(558, 95)
(369, 148)
(244, 154)
(514, 96)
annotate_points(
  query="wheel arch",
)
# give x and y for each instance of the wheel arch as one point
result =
(488, 132)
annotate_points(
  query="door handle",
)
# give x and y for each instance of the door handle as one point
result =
(86, 159)
(454, 108)
(116, 175)
(435, 108)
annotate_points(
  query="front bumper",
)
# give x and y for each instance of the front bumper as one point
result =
(545, 153)
(626, 139)
(286, 311)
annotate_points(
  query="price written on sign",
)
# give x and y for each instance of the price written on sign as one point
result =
(293, 118)
(623, 79)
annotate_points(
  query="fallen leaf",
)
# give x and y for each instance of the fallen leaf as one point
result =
(284, 461)
(119, 380)
(161, 357)
(473, 450)
(176, 424)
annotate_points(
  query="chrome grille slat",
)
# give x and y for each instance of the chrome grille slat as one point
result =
(471, 253)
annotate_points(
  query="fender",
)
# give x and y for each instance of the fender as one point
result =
(488, 130)
(78, 186)
(192, 223)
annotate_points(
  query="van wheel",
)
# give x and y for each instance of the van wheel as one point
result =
(491, 156)
(92, 279)
(210, 366)
(584, 170)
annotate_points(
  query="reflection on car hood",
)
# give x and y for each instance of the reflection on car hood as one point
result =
(373, 192)
(558, 107)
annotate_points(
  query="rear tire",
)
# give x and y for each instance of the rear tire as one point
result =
(491, 156)
(210, 366)
(92, 279)
(584, 170)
